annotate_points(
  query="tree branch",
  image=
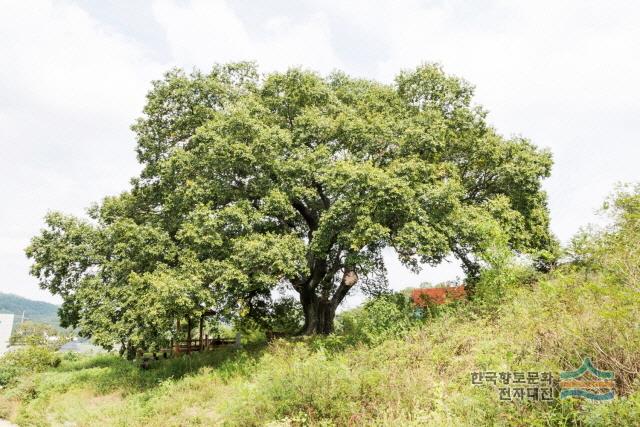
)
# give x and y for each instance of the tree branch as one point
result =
(471, 268)
(349, 278)
(307, 214)
(325, 200)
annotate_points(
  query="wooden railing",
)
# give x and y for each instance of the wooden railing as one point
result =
(197, 345)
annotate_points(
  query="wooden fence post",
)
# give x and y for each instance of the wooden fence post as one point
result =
(201, 327)
(189, 335)
(176, 347)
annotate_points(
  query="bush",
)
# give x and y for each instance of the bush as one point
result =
(71, 356)
(26, 360)
(381, 318)
(286, 316)
(503, 276)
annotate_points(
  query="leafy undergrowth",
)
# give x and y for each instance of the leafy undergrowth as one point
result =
(419, 376)
(384, 366)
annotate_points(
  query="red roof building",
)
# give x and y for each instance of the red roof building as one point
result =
(424, 296)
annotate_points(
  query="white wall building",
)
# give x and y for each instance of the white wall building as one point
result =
(6, 325)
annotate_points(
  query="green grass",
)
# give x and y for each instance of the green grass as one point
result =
(108, 390)
(419, 376)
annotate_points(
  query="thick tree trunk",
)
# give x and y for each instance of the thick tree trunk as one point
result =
(131, 351)
(319, 312)
(318, 316)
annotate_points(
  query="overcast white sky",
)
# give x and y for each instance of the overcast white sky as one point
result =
(73, 77)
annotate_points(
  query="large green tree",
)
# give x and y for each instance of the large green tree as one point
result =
(294, 180)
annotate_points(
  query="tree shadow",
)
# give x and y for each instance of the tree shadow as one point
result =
(106, 373)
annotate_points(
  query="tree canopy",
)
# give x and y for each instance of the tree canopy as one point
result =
(252, 182)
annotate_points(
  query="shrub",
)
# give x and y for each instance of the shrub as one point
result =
(380, 318)
(71, 356)
(504, 275)
(286, 316)
(283, 317)
(26, 360)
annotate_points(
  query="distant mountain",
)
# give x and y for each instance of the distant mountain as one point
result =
(36, 311)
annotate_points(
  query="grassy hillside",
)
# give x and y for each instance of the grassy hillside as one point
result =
(384, 366)
(415, 376)
(36, 311)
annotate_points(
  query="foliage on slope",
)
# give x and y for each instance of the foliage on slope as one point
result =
(385, 367)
